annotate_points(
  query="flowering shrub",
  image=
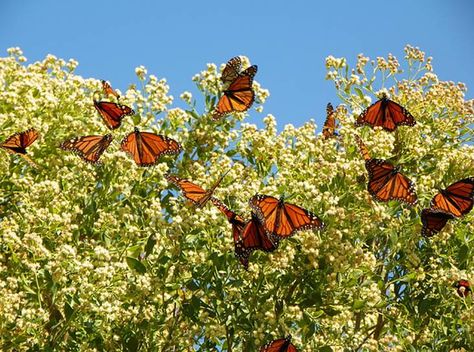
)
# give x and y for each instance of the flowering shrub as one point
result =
(111, 257)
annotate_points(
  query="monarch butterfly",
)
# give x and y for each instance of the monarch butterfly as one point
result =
(18, 142)
(147, 147)
(248, 236)
(108, 90)
(329, 128)
(457, 199)
(239, 96)
(362, 148)
(433, 221)
(231, 70)
(280, 345)
(385, 180)
(280, 219)
(88, 148)
(387, 114)
(192, 191)
(112, 113)
(463, 288)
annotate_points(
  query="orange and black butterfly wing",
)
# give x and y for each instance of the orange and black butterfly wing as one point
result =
(18, 142)
(108, 90)
(281, 219)
(239, 96)
(112, 113)
(255, 237)
(190, 190)
(88, 148)
(146, 147)
(362, 148)
(329, 128)
(386, 183)
(457, 199)
(387, 114)
(231, 70)
(279, 345)
(433, 221)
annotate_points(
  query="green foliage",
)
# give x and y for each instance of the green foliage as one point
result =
(110, 257)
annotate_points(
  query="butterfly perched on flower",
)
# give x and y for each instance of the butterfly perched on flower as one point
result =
(248, 235)
(18, 142)
(279, 345)
(385, 180)
(231, 70)
(387, 114)
(280, 219)
(146, 147)
(112, 113)
(457, 199)
(88, 148)
(194, 192)
(329, 128)
(108, 90)
(239, 95)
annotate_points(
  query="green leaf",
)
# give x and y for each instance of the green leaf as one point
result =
(358, 304)
(359, 93)
(325, 349)
(150, 244)
(136, 265)
(68, 310)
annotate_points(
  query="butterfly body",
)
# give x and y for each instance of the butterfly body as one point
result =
(196, 193)
(329, 128)
(112, 113)
(457, 199)
(108, 90)
(88, 148)
(18, 142)
(387, 183)
(239, 96)
(146, 147)
(387, 114)
(248, 236)
(281, 219)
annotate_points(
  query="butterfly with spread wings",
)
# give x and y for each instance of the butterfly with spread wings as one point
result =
(387, 114)
(457, 199)
(279, 345)
(108, 90)
(239, 96)
(248, 236)
(385, 180)
(18, 142)
(280, 219)
(88, 148)
(146, 147)
(196, 194)
(112, 113)
(329, 128)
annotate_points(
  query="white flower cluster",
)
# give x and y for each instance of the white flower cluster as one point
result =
(104, 257)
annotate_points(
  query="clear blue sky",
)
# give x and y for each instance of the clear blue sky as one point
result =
(289, 40)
